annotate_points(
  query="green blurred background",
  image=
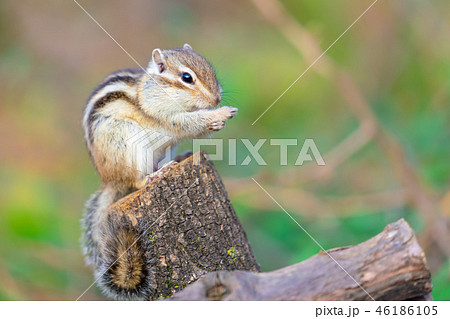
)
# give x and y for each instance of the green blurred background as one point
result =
(52, 55)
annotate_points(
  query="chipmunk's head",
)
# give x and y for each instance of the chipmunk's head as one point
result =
(181, 78)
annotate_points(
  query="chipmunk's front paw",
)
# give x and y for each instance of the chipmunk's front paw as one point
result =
(229, 111)
(220, 116)
(216, 125)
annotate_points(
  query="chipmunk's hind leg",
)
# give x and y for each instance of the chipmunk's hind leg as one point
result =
(158, 174)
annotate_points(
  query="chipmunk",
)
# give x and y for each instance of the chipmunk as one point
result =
(175, 98)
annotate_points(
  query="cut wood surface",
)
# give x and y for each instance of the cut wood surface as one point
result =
(389, 266)
(187, 225)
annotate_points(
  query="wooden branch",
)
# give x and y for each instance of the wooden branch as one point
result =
(389, 266)
(187, 225)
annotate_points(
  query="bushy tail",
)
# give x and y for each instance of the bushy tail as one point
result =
(90, 216)
(118, 250)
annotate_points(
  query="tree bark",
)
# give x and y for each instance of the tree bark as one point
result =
(389, 266)
(188, 225)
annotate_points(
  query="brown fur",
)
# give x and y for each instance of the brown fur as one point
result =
(204, 71)
(128, 269)
(105, 100)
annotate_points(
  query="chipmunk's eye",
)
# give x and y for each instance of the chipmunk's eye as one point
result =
(186, 77)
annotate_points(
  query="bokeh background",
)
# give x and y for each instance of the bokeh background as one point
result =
(377, 106)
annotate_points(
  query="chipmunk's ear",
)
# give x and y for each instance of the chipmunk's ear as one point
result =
(158, 60)
(187, 47)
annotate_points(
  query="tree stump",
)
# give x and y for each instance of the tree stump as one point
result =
(188, 225)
